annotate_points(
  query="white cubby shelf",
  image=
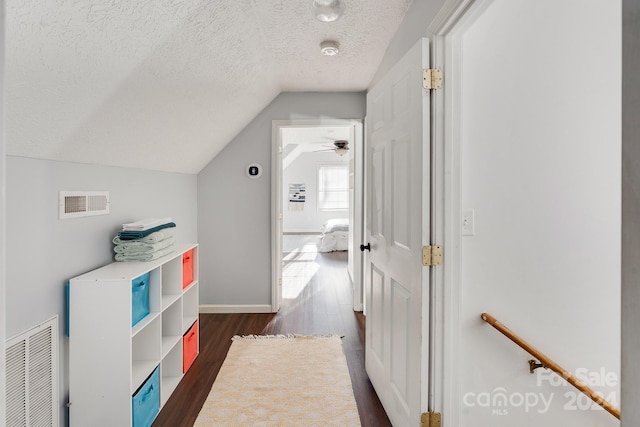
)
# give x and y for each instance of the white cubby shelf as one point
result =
(109, 359)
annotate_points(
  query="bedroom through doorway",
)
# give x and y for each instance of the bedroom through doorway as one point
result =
(315, 196)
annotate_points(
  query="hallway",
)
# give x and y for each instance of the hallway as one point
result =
(322, 306)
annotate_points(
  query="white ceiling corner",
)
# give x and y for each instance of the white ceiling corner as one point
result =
(166, 84)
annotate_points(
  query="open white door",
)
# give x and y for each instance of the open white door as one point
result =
(397, 210)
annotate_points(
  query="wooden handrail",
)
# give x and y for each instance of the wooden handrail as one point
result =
(548, 363)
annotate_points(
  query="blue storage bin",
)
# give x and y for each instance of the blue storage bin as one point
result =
(139, 298)
(146, 401)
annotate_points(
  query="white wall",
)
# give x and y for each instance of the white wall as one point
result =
(45, 252)
(234, 212)
(413, 27)
(2, 219)
(630, 212)
(540, 147)
(304, 170)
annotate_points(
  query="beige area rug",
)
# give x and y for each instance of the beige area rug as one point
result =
(282, 381)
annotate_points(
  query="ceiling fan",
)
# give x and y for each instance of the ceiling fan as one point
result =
(341, 147)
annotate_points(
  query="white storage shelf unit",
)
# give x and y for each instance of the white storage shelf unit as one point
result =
(108, 358)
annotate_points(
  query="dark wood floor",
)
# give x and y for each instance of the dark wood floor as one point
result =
(324, 306)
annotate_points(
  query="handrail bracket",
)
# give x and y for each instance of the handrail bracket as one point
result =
(534, 364)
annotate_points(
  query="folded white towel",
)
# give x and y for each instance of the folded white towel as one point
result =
(145, 224)
(151, 238)
(136, 247)
(145, 256)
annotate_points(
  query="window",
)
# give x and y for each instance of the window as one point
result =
(333, 187)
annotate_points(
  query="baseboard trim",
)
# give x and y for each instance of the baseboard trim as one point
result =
(222, 308)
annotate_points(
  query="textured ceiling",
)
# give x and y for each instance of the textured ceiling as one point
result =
(166, 84)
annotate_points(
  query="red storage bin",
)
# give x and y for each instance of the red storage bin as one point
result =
(189, 347)
(187, 268)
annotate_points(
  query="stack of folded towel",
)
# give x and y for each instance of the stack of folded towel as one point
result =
(145, 240)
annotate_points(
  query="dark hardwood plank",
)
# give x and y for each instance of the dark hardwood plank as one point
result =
(324, 306)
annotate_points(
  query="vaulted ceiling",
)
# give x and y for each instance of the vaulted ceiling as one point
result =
(166, 84)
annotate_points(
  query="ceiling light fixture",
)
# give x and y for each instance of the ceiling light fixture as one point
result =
(327, 10)
(329, 47)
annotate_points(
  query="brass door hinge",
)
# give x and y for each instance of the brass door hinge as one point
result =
(432, 255)
(431, 419)
(432, 78)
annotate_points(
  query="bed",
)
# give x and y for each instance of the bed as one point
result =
(335, 235)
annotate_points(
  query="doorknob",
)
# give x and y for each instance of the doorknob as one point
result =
(367, 247)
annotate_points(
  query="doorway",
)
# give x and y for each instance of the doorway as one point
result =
(316, 205)
(532, 177)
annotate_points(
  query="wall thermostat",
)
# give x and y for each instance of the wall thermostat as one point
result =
(254, 170)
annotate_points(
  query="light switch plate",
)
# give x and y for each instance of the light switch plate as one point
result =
(468, 222)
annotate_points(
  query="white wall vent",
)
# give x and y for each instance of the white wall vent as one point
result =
(32, 377)
(74, 204)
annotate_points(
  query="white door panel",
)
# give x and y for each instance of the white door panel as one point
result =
(374, 317)
(397, 155)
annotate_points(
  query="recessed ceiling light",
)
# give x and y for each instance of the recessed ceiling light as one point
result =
(327, 10)
(329, 47)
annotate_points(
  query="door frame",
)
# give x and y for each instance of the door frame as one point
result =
(276, 204)
(453, 17)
